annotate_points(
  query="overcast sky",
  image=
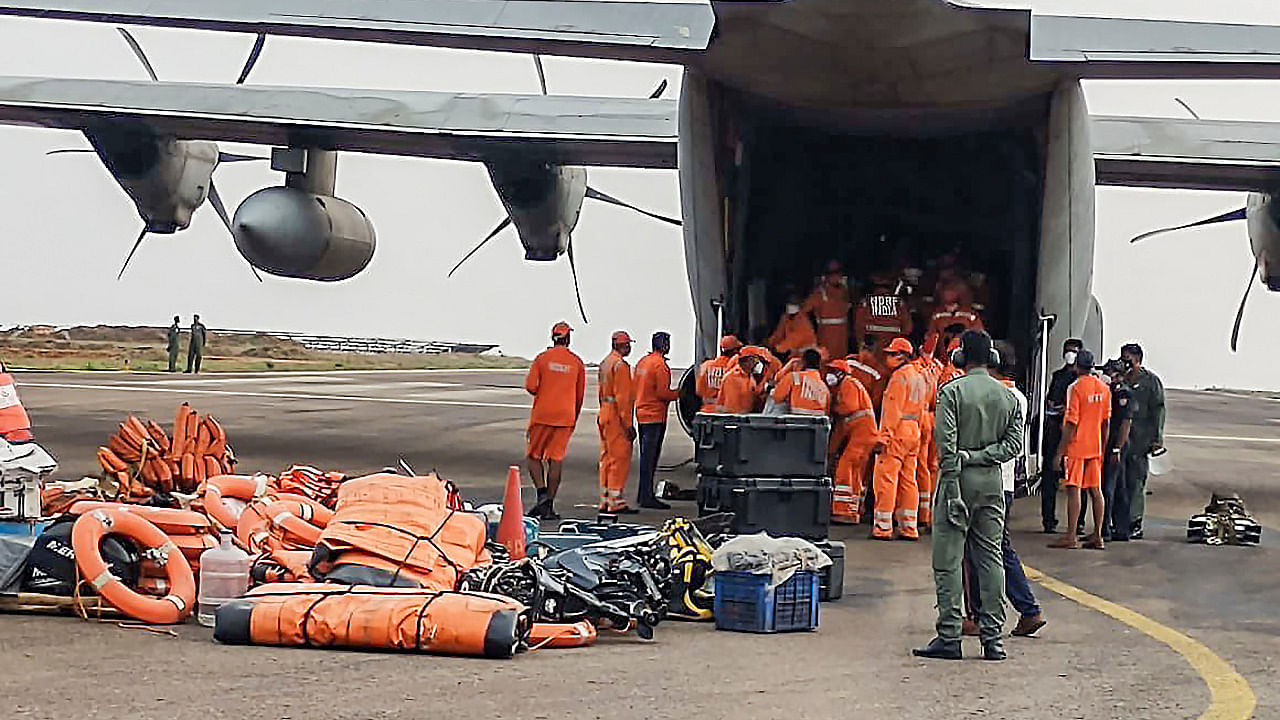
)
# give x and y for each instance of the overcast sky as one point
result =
(69, 226)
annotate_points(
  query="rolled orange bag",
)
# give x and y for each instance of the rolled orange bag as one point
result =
(374, 618)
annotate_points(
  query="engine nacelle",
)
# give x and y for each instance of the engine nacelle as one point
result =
(291, 233)
(1262, 213)
(543, 200)
(166, 178)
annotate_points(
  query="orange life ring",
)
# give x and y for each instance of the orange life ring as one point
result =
(295, 519)
(242, 487)
(283, 514)
(313, 511)
(97, 524)
(562, 635)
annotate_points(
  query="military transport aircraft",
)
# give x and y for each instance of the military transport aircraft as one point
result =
(805, 129)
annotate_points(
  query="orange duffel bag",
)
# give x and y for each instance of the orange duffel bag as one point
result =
(375, 618)
(399, 531)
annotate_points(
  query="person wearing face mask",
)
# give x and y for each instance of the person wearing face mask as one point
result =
(1055, 406)
(803, 390)
(898, 446)
(795, 332)
(617, 425)
(829, 305)
(854, 423)
(744, 385)
(881, 313)
(1146, 435)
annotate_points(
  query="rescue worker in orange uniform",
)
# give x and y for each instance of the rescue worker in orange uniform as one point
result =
(854, 423)
(881, 313)
(898, 445)
(617, 425)
(868, 367)
(952, 311)
(654, 395)
(804, 390)
(1085, 425)
(795, 332)
(15, 425)
(557, 380)
(927, 461)
(711, 372)
(744, 385)
(829, 305)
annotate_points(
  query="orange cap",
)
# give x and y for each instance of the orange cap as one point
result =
(561, 330)
(899, 345)
(754, 351)
(730, 342)
(621, 336)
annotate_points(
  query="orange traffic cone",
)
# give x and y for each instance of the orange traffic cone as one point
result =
(511, 525)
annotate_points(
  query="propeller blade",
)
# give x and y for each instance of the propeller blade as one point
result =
(501, 226)
(1224, 217)
(597, 195)
(573, 268)
(662, 87)
(142, 56)
(67, 151)
(215, 199)
(542, 73)
(1187, 107)
(136, 243)
(1235, 330)
(226, 157)
(254, 54)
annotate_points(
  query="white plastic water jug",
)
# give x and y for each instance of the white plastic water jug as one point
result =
(1161, 462)
(224, 576)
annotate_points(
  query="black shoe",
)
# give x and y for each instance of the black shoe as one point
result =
(1050, 530)
(550, 513)
(940, 649)
(538, 511)
(1136, 532)
(654, 504)
(1119, 538)
(993, 650)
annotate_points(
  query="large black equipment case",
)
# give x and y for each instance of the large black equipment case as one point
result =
(780, 446)
(796, 507)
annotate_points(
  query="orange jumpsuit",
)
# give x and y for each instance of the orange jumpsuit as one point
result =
(873, 376)
(793, 334)
(856, 420)
(944, 316)
(805, 391)
(897, 496)
(654, 394)
(830, 307)
(739, 393)
(710, 375)
(885, 316)
(927, 461)
(557, 380)
(617, 416)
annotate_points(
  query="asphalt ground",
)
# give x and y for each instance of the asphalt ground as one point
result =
(469, 426)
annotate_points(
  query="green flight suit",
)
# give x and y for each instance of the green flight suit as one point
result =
(979, 426)
(175, 344)
(195, 348)
(1147, 431)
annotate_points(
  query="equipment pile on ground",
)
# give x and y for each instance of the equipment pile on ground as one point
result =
(1224, 522)
(145, 462)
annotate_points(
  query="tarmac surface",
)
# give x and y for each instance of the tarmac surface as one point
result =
(469, 426)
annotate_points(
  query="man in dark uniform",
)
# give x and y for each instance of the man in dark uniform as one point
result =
(175, 343)
(195, 346)
(1115, 484)
(1147, 432)
(1055, 406)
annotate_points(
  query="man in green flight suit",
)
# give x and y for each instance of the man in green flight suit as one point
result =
(979, 426)
(175, 343)
(195, 348)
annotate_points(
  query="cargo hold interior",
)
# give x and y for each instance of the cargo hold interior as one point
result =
(805, 195)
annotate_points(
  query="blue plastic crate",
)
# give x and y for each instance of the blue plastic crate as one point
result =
(745, 603)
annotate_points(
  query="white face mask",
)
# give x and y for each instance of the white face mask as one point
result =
(759, 370)
(832, 379)
(793, 309)
(1069, 357)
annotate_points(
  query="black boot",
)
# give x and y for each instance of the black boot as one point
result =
(940, 649)
(993, 650)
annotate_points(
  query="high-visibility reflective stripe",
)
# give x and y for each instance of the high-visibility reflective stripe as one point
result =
(856, 414)
(608, 400)
(832, 321)
(907, 514)
(805, 411)
(865, 368)
(910, 417)
(884, 328)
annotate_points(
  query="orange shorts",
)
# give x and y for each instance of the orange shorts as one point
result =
(1084, 473)
(547, 442)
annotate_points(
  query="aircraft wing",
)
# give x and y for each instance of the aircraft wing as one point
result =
(1178, 153)
(654, 30)
(1155, 49)
(462, 126)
